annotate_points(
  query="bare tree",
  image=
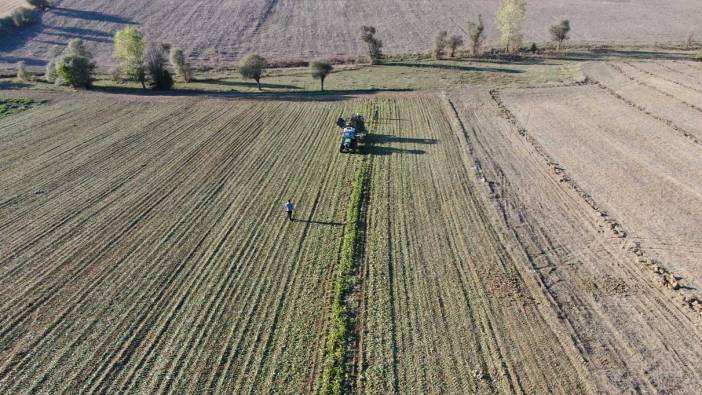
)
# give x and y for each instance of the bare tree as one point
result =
(475, 32)
(559, 33)
(454, 42)
(320, 69)
(374, 44)
(181, 67)
(155, 62)
(22, 73)
(440, 44)
(690, 42)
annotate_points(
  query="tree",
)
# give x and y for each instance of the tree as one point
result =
(454, 42)
(22, 73)
(129, 52)
(181, 67)
(509, 21)
(76, 47)
(252, 67)
(559, 33)
(50, 74)
(440, 44)
(373, 43)
(159, 76)
(475, 32)
(320, 69)
(22, 16)
(40, 4)
(75, 70)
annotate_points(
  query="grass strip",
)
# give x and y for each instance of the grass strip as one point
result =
(334, 379)
(11, 106)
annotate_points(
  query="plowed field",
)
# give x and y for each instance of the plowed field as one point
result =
(221, 31)
(604, 195)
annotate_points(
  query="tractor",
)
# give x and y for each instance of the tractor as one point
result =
(353, 132)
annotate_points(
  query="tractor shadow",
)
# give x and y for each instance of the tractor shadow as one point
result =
(373, 146)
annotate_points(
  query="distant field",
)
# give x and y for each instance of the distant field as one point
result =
(220, 31)
(6, 6)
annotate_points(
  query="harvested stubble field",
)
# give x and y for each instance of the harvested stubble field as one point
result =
(220, 31)
(144, 245)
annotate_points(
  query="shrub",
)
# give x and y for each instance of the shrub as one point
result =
(129, 52)
(320, 69)
(75, 70)
(475, 32)
(559, 33)
(373, 43)
(40, 4)
(252, 67)
(50, 73)
(181, 67)
(22, 16)
(454, 42)
(22, 73)
(509, 21)
(77, 48)
(159, 76)
(440, 44)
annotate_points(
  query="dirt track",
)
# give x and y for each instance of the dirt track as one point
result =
(222, 30)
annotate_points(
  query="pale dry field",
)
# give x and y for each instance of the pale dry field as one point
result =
(604, 196)
(6, 6)
(222, 30)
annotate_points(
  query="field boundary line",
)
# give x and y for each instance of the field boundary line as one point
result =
(667, 122)
(335, 377)
(621, 71)
(606, 222)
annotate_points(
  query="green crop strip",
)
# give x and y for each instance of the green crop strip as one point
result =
(11, 106)
(335, 363)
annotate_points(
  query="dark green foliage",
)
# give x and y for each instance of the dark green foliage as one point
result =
(40, 4)
(559, 32)
(475, 32)
(158, 75)
(74, 70)
(252, 67)
(454, 42)
(440, 44)
(374, 44)
(334, 373)
(11, 106)
(320, 69)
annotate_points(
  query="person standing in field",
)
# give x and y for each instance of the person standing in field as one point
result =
(289, 207)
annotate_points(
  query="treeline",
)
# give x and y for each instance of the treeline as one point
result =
(508, 20)
(23, 15)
